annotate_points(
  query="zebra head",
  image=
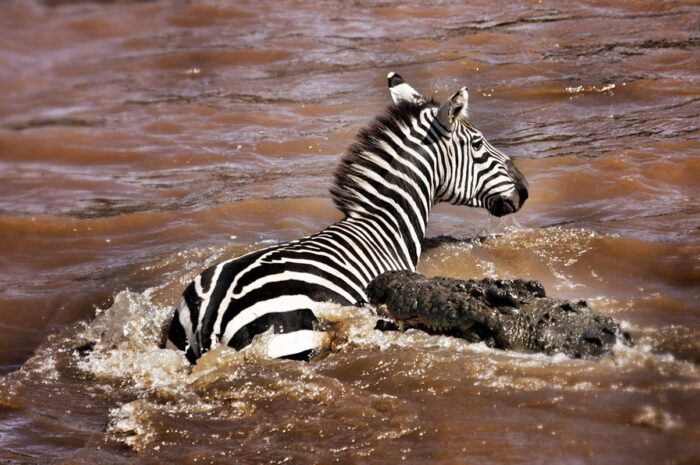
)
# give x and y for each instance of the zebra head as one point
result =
(475, 172)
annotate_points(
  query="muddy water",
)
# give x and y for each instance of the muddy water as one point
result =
(140, 142)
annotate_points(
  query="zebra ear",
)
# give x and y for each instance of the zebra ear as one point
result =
(455, 107)
(400, 91)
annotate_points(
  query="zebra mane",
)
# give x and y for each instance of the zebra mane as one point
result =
(366, 148)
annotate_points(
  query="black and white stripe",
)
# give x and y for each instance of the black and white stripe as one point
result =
(406, 161)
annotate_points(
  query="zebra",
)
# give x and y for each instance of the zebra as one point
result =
(416, 154)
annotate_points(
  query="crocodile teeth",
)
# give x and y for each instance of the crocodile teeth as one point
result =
(401, 326)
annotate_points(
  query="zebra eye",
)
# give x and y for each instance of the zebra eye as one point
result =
(477, 143)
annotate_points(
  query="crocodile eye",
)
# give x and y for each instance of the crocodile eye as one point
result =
(477, 143)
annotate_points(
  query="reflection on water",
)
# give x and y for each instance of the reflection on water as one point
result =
(142, 141)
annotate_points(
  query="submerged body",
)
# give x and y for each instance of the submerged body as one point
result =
(279, 287)
(416, 155)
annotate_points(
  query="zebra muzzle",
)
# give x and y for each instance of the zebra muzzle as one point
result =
(503, 206)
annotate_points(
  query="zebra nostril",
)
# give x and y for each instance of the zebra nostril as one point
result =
(522, 194)
(502, 206)
(520, 183)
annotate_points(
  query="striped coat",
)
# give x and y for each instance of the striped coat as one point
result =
(417, 154)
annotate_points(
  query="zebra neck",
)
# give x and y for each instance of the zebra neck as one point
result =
(393, 233)
(387, 182)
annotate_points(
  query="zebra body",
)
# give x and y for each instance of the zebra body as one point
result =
(416, 155)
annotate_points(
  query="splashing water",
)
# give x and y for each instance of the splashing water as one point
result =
(143, 141)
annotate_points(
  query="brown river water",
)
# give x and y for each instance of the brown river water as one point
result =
(143, 141)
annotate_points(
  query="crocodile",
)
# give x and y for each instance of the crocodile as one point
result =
(505, 314)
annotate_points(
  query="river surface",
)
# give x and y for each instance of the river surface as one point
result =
(143, 141)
